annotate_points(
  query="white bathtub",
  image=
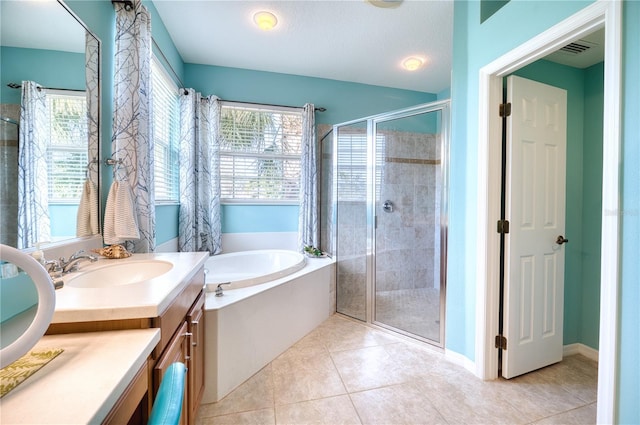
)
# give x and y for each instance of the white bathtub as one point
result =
(248, 268)
(251, 325)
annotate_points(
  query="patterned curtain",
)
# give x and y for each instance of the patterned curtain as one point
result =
(33, 205)
(88, 216)
(131, 140)
(308, 219)
(199, 227)
(92, 77)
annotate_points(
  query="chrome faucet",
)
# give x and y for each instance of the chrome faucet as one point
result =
(55, 272)
(71, 265)
(53, 268)
(219, 291)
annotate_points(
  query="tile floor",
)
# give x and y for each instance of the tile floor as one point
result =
(416, 311)
(345, 372)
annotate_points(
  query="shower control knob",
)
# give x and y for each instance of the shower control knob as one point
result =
(387, 206)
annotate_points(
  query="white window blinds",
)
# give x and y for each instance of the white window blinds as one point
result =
(352, 165)
(165, 135)
(260, 152)
(67, 155)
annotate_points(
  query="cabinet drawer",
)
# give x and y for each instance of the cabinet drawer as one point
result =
(133, 406)
(177, 351)
(171, 318)
(195, 322)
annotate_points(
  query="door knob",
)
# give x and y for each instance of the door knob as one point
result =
(561, 239)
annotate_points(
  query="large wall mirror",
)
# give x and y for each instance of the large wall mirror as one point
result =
(49, 124)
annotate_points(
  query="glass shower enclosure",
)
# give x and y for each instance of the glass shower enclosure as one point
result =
(385, 218)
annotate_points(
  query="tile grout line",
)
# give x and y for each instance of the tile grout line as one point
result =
(348, 393)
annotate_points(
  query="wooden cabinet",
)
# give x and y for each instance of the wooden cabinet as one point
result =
(177, 351)
(195, 323)
(185, 344)
(181, 327)
(134, 406)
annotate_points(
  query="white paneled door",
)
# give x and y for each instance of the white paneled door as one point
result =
(535, 208)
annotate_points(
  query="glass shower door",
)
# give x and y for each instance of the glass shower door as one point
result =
(350, 180)
(408, 205)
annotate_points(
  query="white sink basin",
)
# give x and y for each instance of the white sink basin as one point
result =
(118, 274)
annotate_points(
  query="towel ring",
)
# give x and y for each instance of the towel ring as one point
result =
(117, 165)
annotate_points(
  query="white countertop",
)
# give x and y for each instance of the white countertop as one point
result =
(83, 383)
(148, 298)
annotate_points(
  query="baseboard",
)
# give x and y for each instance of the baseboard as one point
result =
(577, 348)
(460, 360)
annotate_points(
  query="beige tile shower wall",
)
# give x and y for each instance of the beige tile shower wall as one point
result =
(407, 240)
(9, 175)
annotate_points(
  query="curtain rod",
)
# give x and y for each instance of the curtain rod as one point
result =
(319, 109)
(166, 61)
(18, 86)
(128, 4)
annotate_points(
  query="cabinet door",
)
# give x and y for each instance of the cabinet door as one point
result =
(195, 321)
(177, 351)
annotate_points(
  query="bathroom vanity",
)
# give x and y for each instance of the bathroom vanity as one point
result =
(170, 303)
(84, 384)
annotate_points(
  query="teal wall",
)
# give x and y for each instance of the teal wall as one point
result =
(476, 45)
(49, 68)
(583, 189)
(17, 295)
(99, 16)
(344, 101)
(167, 49)
(592, 204)
(259, 218)
(629, 335)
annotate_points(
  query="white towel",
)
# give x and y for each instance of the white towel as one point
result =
(120, 218)
(87, 218)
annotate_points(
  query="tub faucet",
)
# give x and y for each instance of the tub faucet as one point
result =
(71, 265)
(219, 291)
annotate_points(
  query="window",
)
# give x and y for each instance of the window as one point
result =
(67, 156)
(260, 152)
(165, 136)
(352, 165)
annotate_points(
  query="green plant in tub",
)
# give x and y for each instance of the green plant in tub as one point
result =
(312, 251)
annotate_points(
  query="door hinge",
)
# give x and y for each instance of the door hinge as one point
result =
(505, 110)
(501, 342)
(503, 226)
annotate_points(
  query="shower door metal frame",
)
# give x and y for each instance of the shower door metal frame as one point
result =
(444, 107)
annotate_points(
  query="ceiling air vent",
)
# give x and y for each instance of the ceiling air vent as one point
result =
(576, 48)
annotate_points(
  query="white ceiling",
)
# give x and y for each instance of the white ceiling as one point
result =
(347, 40)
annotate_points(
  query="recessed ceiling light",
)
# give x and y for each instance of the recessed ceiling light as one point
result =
(266, 21)
(386, 4)
(413, 63)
